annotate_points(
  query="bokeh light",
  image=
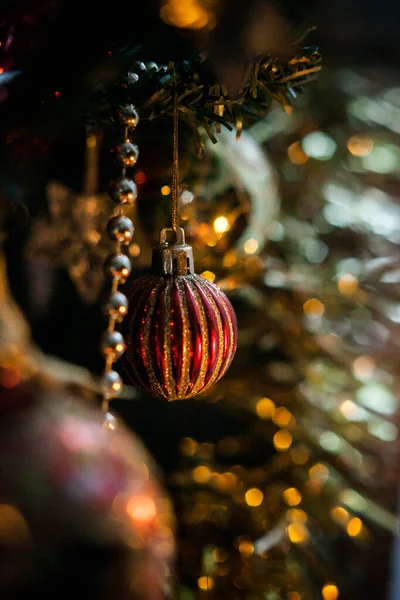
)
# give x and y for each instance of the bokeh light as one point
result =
(254, 497)
(221, 224)
(330, 592)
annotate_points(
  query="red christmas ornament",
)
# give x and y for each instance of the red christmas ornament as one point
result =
(181, 330)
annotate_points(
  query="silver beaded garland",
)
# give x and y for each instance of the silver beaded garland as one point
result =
(117, 266)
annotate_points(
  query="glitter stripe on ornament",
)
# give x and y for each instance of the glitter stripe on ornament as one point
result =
(230, 325)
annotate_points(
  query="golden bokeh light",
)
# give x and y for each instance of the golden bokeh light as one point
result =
(246, 548)
(254, 497)
(340, 515)
(296, 154)
(354, 527)
(360, 145)
(265, 408)
(347, 285)
(300, 455)
(221, 224)
(134, 250)
(282, 416)
(319, 471)
(297, 533)
(141, 509)
(220, 555)
(165, 190)
(349, 410)
(14, 529)
(364, 367)
(209, 275)
(188, 446)
(201, 474)
(250, 246)
(283, 440)
(296, 515)
(313, 308)
(292, 496)
(293, 596)
(230, 258)
(205, 583)
(186, 14)
(330, 591)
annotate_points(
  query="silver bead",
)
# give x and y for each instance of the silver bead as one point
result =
(123, 190)
(132, 78)
(118, 266)
(127, 154)
(111, 384)
(112, 344)
(151, 65)
(116, 306)
(120, 229)
(110, 422)
(138, 66)
(128, 115)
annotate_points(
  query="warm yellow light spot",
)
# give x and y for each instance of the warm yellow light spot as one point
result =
(293, 596)
(227, 481)
(134, 250)
(201, 474)
(14, 530)
(283, 440)
(142, 509)
(360, 145)
(313, 308)
(319, 471)
(185, 14)
(264, 408)
(205, 583)
(165, 190)
(220, 555)
(282, 416)
(340, 515)
(297, 533)
(119, 347)
(364, 367)
(250, 246)
(347, 285)
(297, 154)
(188, 446)
(208, 275)
(349, 410)
(246, 548)
(91, 141)
(116, 386)
(230, 258)
(221, 224)
(300, 455)
(292, 496)
(354, 527)
(330, 591)
(254, 497)
(296, 515)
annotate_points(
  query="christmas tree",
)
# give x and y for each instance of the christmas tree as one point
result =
(283, 475)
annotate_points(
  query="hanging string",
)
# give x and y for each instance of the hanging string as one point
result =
(175, 169)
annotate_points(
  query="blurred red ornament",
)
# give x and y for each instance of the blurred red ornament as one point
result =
(181, 330)
(79, 483)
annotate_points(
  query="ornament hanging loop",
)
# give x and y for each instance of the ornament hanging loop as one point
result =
(172, 256)
(175, 168)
